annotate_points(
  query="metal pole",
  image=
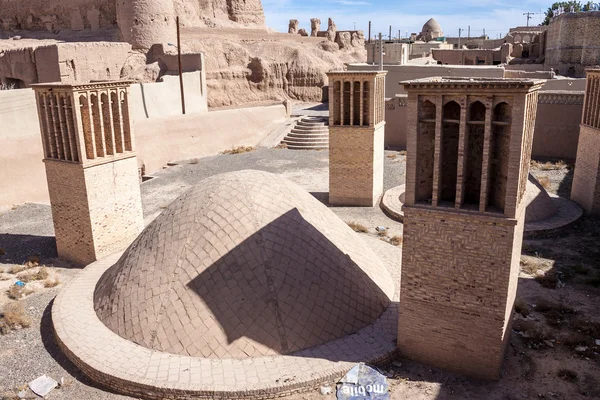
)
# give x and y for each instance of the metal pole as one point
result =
(180, 67)
(380, 53)
(390, 35)
(369, 31)
(468, 32)
(459, 30)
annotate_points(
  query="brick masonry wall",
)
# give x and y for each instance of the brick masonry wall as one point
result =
(458, 286)
(586, 178)
(356, 165)
(96, 210)
(573, 43)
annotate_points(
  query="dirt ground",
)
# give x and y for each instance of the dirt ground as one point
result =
(554, 344)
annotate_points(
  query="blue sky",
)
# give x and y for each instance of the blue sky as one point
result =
(496, 16)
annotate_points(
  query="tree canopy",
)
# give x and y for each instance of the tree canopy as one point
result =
(567, 5)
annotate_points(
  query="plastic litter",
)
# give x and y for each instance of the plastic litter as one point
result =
(42, 385)
(380, 228)
(325, 390)
(19, 283)
(363, 382)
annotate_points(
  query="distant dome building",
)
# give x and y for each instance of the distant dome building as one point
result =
(431, 31)
(248, 264)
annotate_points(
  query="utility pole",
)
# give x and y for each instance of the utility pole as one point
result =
(369, 31)
(529, 16)
(468, 32)
(390, 35)
(180, 67)
(380, 52)
(459, 32)
(483, 33)
(399, 35)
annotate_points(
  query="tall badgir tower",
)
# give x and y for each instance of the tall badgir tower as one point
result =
(468, 152)
(356, 137)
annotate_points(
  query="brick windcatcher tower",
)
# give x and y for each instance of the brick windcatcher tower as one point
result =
(468, 152)
(356, 137)
(91, 168)
(586, 178)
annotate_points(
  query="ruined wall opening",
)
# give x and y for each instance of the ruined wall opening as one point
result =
(449, 154)
(336, 103)
(356, 103)
(365, 99)
(346, 105)
(88, 128)
(425, 152)
(107, 124)
(500, 151)
(474, 152)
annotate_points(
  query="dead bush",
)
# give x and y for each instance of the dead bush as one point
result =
(545, 182)
(17, 292)
(239, 150)
(30, 276)
(534, 334)
(12, 317)
(521, 307)
(567, 375)
(195, 161)
(548, 279)
(531, 265)
(396, 240)
(51, 282)
(358, 227)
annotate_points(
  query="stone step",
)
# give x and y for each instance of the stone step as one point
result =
(311, 123)
(306, 142)
(308, 135)
(295, 147)
(309, 131)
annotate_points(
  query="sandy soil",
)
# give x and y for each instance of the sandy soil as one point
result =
(552, 352)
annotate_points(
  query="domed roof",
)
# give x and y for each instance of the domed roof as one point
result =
(431, 26)
(245, 264)
(539, 204)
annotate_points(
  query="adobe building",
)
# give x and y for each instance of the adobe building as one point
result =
(586, 179)
(91, 168)
(468, 152)
(356, 136)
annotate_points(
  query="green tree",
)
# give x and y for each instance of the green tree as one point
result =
(567, 5)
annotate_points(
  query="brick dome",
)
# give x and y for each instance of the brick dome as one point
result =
(245, 264)
(431, 26)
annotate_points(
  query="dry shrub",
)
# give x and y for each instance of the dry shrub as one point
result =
(195, 161)
(574, 339)
(29, 276)
(392, 156)
(358, 227)
(239, 150)
(567, 375)
(396, 240)
(51, 282)
(17, 268)
(533, 333)
(382, 233)
(33, 260)
(548, 279)
(531, 265)
(16, 292)
(402, 152)
(1, 270)
(13, 316)
(587, 327)
(545, 182)
(521, 307)
(548, 165)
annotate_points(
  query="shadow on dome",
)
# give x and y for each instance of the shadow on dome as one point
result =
(285, 288)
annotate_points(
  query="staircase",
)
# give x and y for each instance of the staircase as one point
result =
(309, 133)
